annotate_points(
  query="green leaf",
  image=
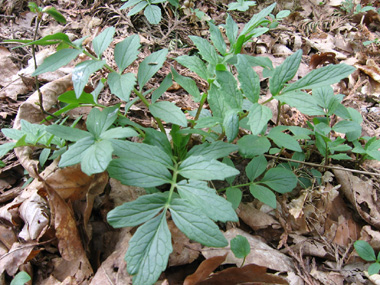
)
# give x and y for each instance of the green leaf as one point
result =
(150, 65)
(256, 167)
(251, 146)
(249, 80)
(364, 250)
(206, 50)
(153, 14)
(67, 133)
(33, 7)
(231, 125)
(126, 51)
(121, 85)
(56, 38)
(99, 121)
(346, 126)
(148, 250)
(216, 102)
(140, 6)
(285, 72)
(82, 73)
(22, 277)
(280, 180)
(284, 140)
(55, 14)
(320, 77)
(231, 29)
(165, 84)
(57, 60)
(234, 196)
(130, 3)
(119, 133)
(258, 117)
(228, 89)
(127, 149)
(195, 225)
(213, 150)
(137, 212)
(202, 168)
(208, 122)
(188, 84)
(374, 268)
(240, 246)
(340, 156)
(257, 19)
(142, 172)
(96, 158)
(304, 102)
(323, 96)
(217, 38)
(6, 147)
(75, 152)
(201, 196)
(159, 139)
(103, 40)
(264, 195)
(70, 98)
(168, 112)
(195, 64)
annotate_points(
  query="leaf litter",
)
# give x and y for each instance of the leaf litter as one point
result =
(307, 240)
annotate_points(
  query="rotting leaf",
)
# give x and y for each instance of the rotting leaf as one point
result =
(322, 58)
(249, 273)
(204, 270)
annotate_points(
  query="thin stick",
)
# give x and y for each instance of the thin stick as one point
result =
(324, 166)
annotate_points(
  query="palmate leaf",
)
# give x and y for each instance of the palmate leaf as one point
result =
(103, 40)
(149, 250)
(67, 133)
(284, 72)
(195, 225)
(137, 212)
(121, 85)
(280, 180)
(202, 168)
(82, 73)
(320, 77)
(168, 112)
(126, 51)
(202, 196)
(100, 121)
(75, 152)
(150, 65)
(213, 150)
(141, 172)
(96, 158)
(57, 60)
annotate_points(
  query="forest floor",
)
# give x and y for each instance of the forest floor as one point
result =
(307, 240)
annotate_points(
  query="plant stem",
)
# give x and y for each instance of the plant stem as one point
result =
(202, 102)
(173, 184)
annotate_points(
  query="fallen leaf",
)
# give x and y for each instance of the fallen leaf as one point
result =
(322, 58)
(204, 270)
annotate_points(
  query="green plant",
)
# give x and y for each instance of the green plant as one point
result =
(241, 5)
(151, 11)
(21, 278)
(180, 170)
(240, 247)
(366, 252)
(349, 7)
(375, 41)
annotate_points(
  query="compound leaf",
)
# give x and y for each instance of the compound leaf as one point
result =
(264, 195)
(280, 180)
(168, 112)
(82, 73)
(103, 40)
(126, 51)
(258, 117)
(96, 158)
(121, 85)
(150, 65)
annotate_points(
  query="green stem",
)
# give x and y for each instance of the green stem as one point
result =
(202, 102)
(173, 184)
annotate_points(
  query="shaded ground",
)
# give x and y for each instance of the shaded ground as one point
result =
(310, 235)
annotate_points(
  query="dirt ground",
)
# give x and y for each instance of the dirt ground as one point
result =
(307, 240)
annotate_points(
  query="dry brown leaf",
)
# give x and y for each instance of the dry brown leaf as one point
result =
(184, 251)
(10, 83)
(35, 213)
(204, 270)
(322, 58)
(7, 237)
(251, 273)
(69, 242)
(114, 268)
(371, 68)
(362, 196)
(17, 255)
(261, 254)
(255, 218)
